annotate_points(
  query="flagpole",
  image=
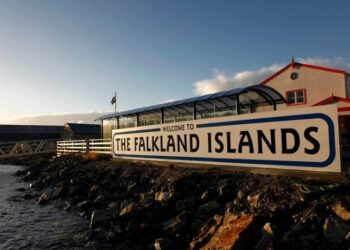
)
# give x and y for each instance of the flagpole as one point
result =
(115, 110)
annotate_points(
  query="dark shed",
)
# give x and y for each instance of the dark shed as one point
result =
(76, 131)
(29, 132)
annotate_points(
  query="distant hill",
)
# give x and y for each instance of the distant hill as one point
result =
(55, 119)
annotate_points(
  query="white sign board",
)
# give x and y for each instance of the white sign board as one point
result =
(298, 139)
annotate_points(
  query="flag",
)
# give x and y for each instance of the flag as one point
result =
(114, 99)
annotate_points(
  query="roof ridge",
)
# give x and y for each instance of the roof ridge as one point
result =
(293, 63)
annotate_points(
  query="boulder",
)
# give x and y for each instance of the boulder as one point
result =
(129, 211)
(100, 200)
(184, 217)
(172, 226)
(209, 207)
(49, 194)
(266, 241)
(164, 197)
(342, 212)
(240, 195)
(101, 218)
(206, 232)
(164, 244)
(253, 201)
(225, 192)
(236, 232)
(334, 230)
(206, 196)
(84, 205)
(187, 203)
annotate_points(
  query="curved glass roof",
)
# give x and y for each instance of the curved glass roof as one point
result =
(268, 93)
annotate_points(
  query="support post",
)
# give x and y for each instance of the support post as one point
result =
(194, 111)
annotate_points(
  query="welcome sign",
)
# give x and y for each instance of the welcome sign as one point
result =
(299, 139)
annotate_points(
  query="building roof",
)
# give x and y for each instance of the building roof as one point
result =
(336, 99)
(293, 64)
(30, 129)
(267, 92)
(86, 129)
(332, 99)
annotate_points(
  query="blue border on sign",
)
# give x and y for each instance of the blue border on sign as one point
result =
(327, 162)
(137, 131)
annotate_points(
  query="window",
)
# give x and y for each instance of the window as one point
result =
(178, 113)
(296, 97)
(127, 121)
(223, 106)
(150, 118)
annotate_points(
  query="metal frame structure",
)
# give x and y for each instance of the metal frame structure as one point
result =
(234, 101)
(24, 148)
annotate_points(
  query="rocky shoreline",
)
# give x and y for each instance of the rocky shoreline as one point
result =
(138, 206)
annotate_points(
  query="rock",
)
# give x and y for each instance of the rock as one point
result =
(99, 200)
(151, 228)
(253, 201)
(184, 217)
(155, 215)
(341, 212)
(209, 207)
(49, 194)
(132, 226)
(236, 202)
(100, 218)
(225, 192)
(347, 237)
(234, 233)
(206, 196)
(266, 242)
(164, 196)
(172, 226)
(164, 244)
(132, 186)
(114, 204)
(267, 229)
(94, 189)
(197, 224)
(117, 230)
(187, 203)
(75, 190)
(129, 211)
(307, 240)
(84, 205)
(207, 231)
(240, 195)
(334, 230)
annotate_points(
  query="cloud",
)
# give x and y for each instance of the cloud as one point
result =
(337, 62)
(222, 81)
(55, 119)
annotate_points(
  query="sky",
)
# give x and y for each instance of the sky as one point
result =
(63, 60)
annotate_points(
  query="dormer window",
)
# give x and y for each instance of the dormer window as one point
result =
(296, 97)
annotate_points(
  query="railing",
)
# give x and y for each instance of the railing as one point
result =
(99, 146)
(23, 148)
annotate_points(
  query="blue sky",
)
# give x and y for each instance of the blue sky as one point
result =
(59, 57)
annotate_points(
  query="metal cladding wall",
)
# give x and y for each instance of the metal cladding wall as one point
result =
(296, 139)
(28, 132)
